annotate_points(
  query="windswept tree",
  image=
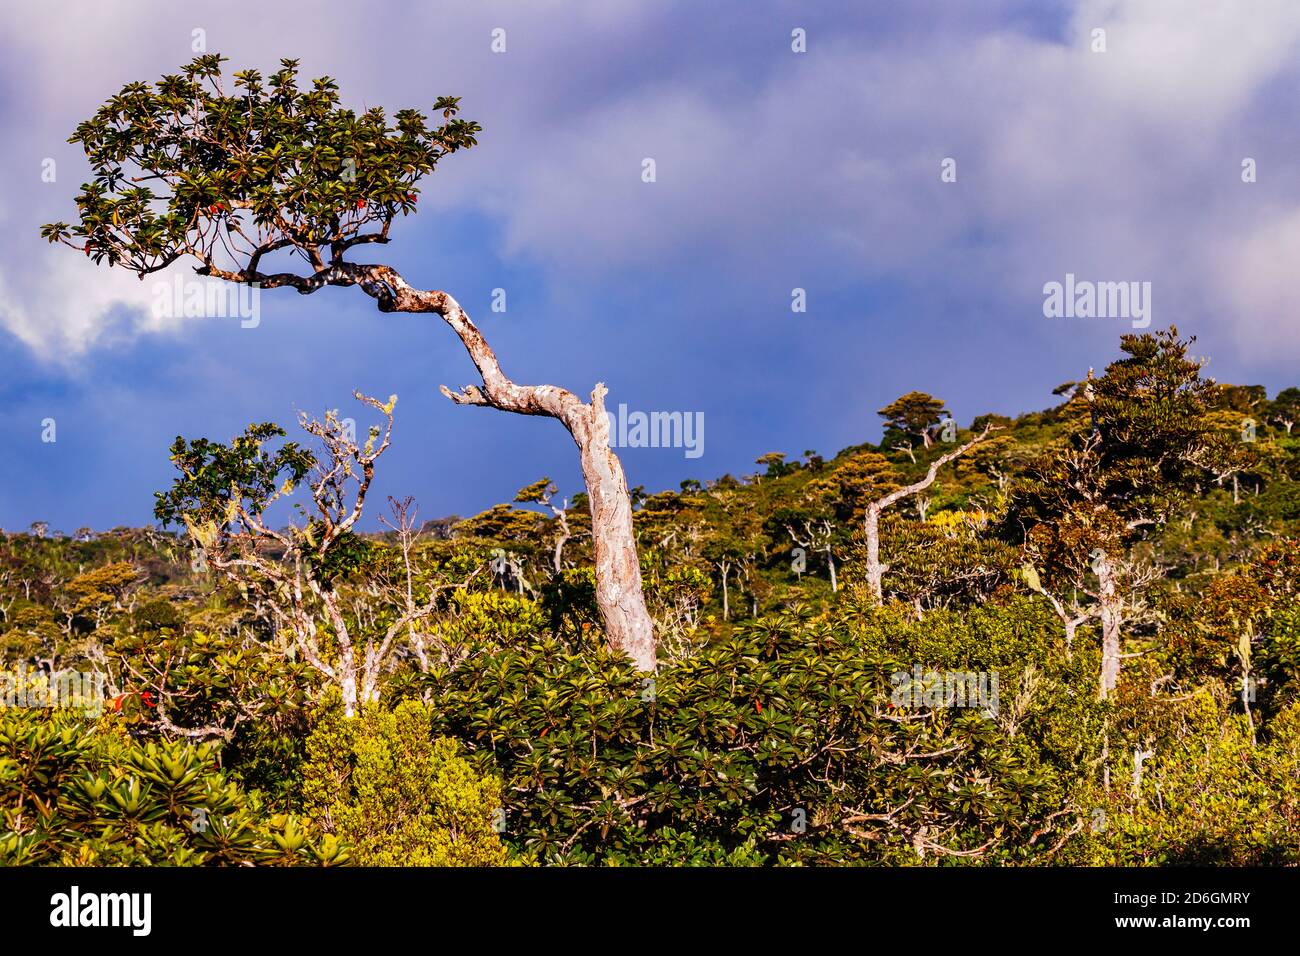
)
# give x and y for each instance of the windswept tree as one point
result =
(910, 417)
(776, 465)
(875, 570)
(96, 593)
(268, 172)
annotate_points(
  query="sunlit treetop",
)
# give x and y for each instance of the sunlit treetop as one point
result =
(228, 172)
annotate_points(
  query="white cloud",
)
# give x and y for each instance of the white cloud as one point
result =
(1122, 165)
(66, 306)
(1260, 281)
(1199, 62)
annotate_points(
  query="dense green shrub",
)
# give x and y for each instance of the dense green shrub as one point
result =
(76, 794)
(398, 796)
(770, 734)
(1210, 797)
(779, 745)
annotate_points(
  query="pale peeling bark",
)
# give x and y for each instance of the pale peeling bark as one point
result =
(1070, 622)
(1111, 605)
(562, 517)
(618, 570)
(725, 568)
(628, 626)
(876, 570)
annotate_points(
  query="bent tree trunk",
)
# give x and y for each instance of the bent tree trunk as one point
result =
(618, 570)
(628, 626)
(871, 525)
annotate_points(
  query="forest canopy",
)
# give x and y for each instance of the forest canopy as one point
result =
(1077, 641)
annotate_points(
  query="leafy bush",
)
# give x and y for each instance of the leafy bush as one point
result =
(382, 783)
(73, 794)
(779, 745)
(1212, 798)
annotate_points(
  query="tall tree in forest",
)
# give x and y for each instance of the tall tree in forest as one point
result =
(185, 170)
(1143, 437)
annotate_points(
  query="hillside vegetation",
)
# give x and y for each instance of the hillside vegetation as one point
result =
(1071, 637)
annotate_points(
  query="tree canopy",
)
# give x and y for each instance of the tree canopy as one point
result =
(228, 171)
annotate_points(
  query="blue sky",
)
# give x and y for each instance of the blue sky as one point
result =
(775, 170)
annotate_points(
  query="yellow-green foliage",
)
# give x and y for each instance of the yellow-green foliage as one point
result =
(382, 783)
(1213, 799)
(74, 793)
(498, 615)
(28, 629)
